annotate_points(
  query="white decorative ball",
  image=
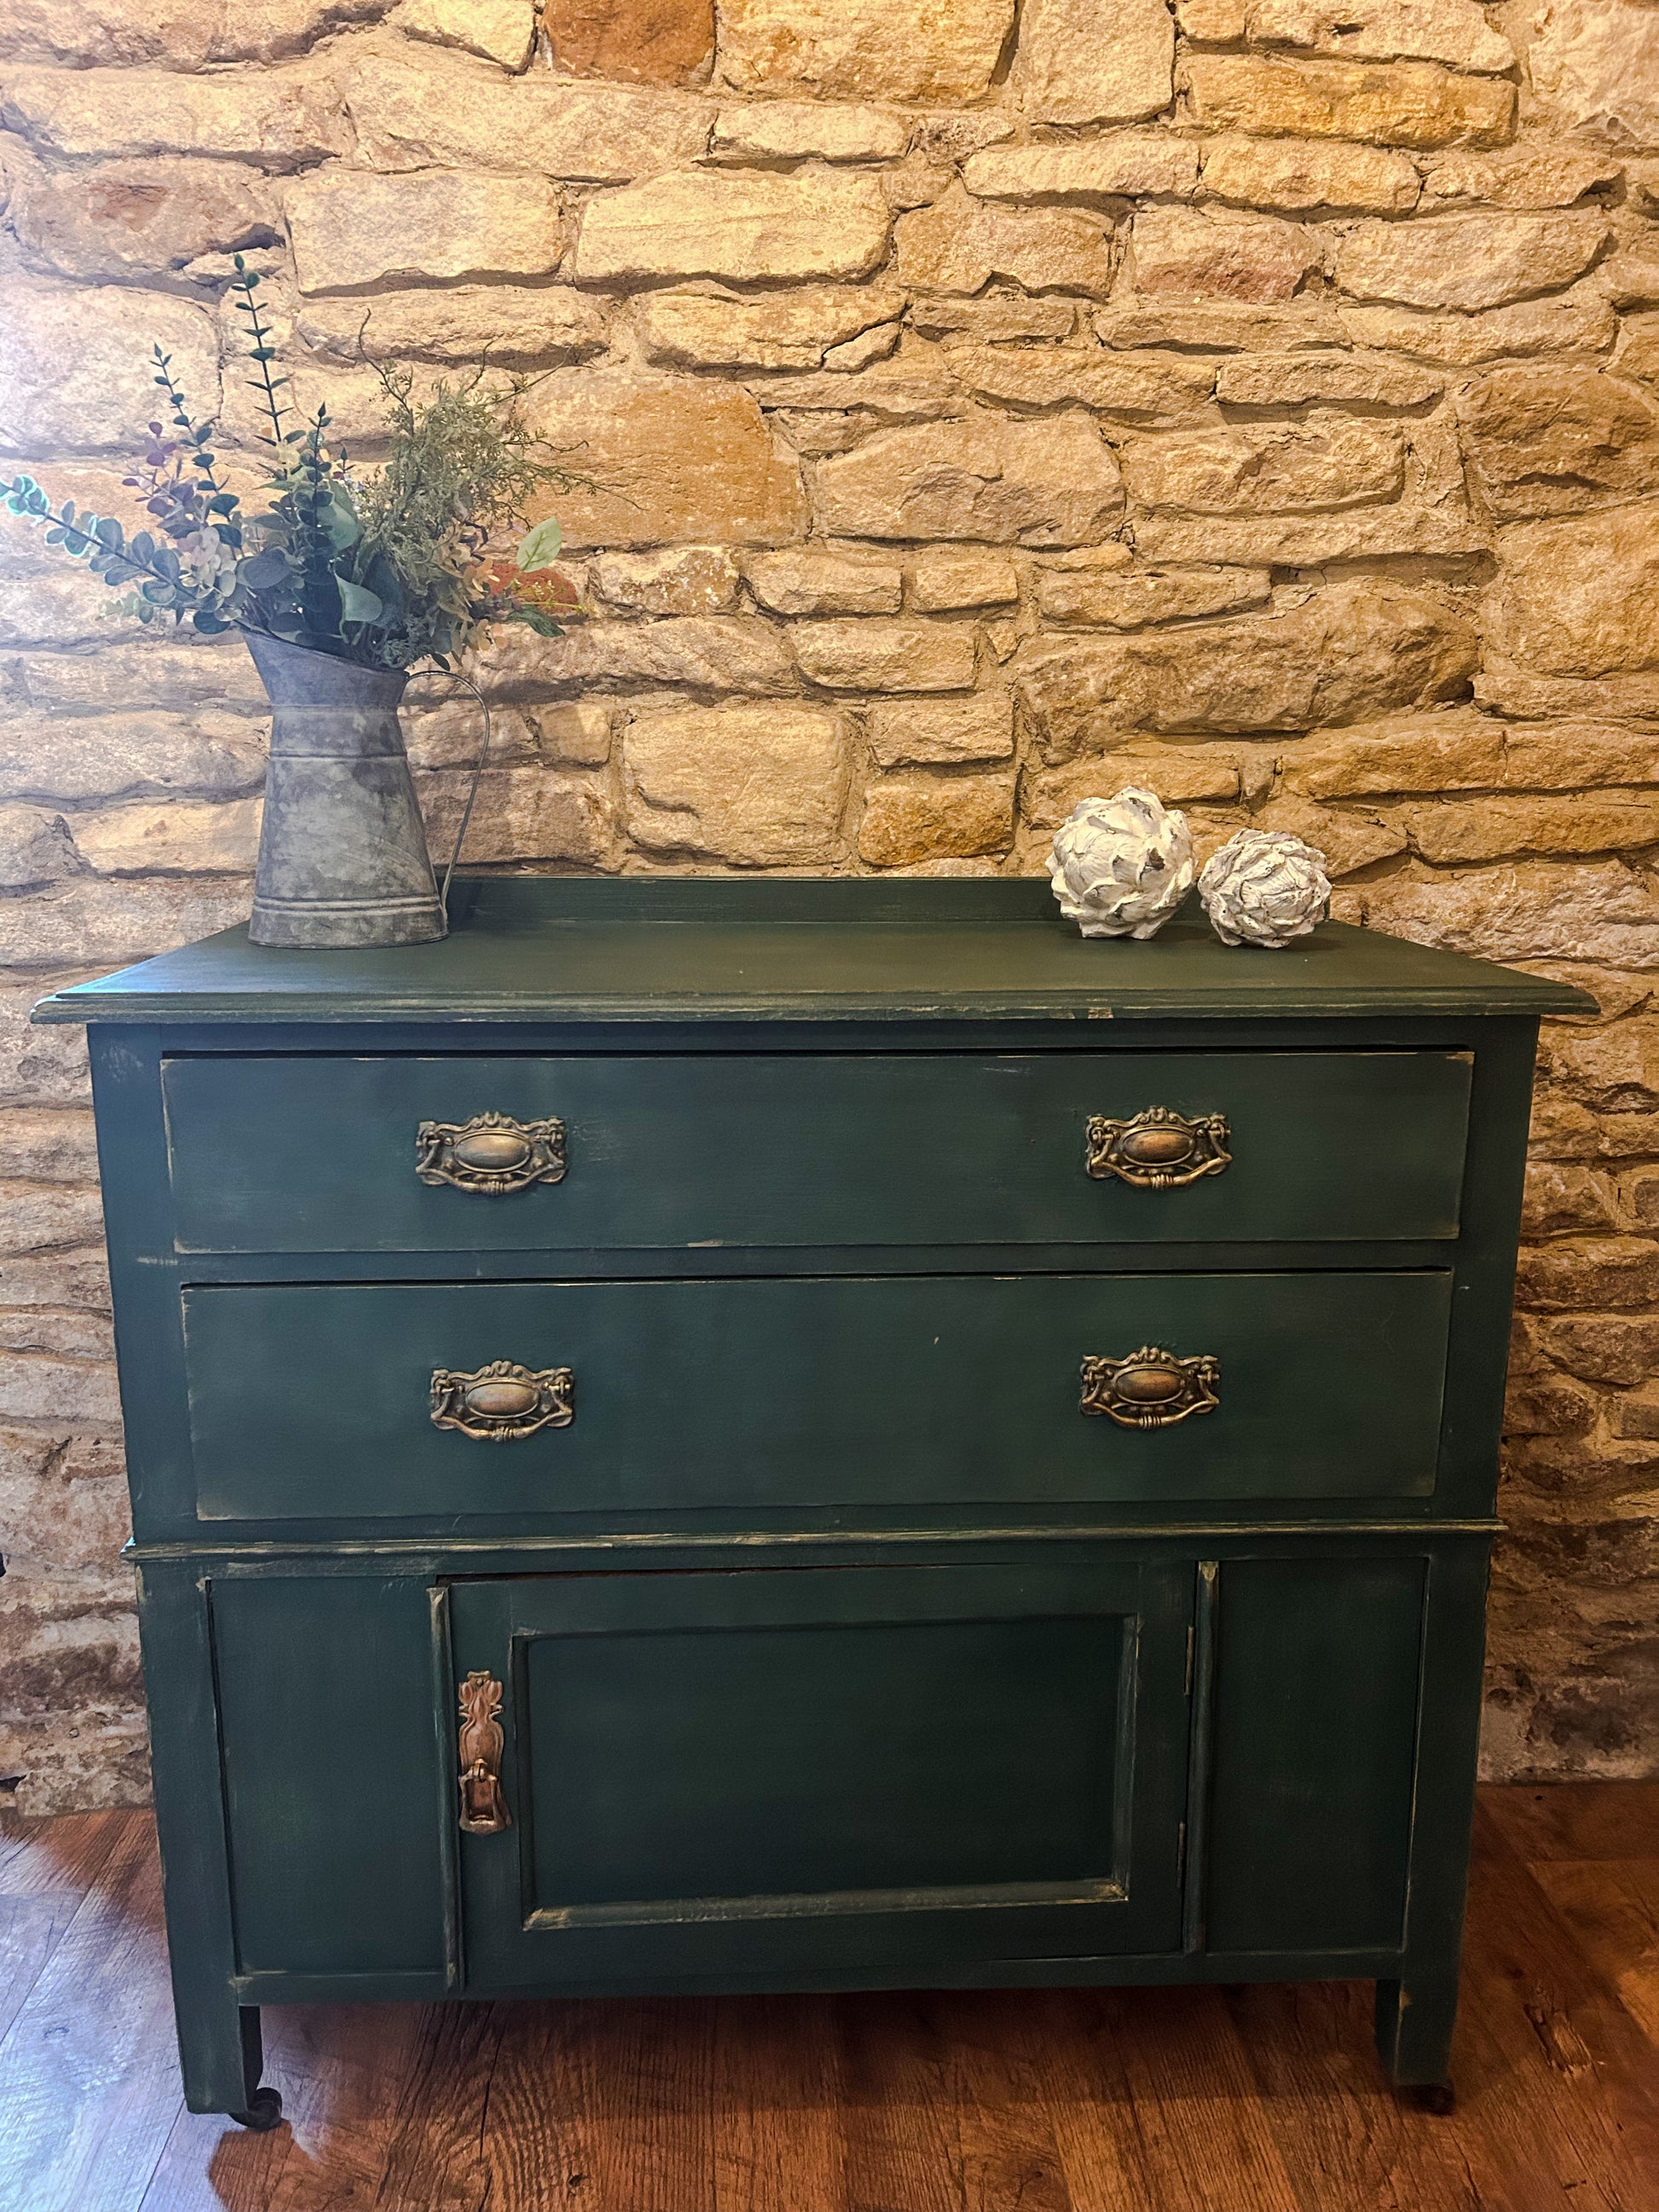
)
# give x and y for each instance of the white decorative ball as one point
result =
(1121, 866)
(1264, 887)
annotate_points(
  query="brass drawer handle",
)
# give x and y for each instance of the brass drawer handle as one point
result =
(483, 1808)
(1152, 1389)
(491, 1153)
(1159, 1148)
(502, 1401)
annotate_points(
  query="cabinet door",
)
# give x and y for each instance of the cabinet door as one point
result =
(826, 1776)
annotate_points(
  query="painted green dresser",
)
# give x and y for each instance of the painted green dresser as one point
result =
(707, 1435)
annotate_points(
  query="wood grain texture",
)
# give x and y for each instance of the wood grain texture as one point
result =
(1262, 2100)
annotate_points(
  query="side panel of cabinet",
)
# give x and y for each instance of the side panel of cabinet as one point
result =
(331, 1769)
(1316, 1688)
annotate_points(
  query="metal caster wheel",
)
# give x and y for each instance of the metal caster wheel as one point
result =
(263, 2114)
(1437, 2096)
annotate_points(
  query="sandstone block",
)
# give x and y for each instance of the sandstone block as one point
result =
(1594, 66)
(1302, 177)
(1187, 250)
(862, 351)
(784, 330)
(642, 41)
(810, 224)
(577, 732)
(34, 848)
(1179, 774)
(175, 837)
(886, 656)
(410, 112)
(501, 31)
(1329, 460)
(1531, 910)
(961, 244)
(48, 1144)
(1029, 483)
(1131, 602)
(1631, 279)
(1120, 165)
(1401, 104)
(942, 732)
(1558, 1198)
(448, 733)
(1454, 31)
(1553, 441)
(1589, 1272)
(911, 819)
(1302, 379)
(1155, 391)
(1636, 1414)
(1453, 751)
(1094, 61)
(1588, 822)
(1577, 756)
(914, 385)
(139, 218)
(70, 607)
(997, 320)
(1579, 597)
(806, 131)
(679, 579)
(931, 52)
(805, 579)
(1359, 533)
(1577, 321)
(1215, 326)
(350, 230)
(78, 33)
(75, 368)
(1348, 838)
(759, 787)
(1468, 261)
(524, 814)
(703, 652)
(1521, 176)
(676, 459)
(519, 326)
(280, 119)
(1347, 654)
(1616, 1067)
(944, 578)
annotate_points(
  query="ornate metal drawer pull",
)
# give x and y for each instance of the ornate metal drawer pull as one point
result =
(503, 1401)
(1152, 1389)
(483, 1808)
(1159, 1148)
(491, 1153)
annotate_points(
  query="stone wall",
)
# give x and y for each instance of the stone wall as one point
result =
(1260, 400)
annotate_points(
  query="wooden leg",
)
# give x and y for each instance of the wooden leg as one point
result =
(220, 2056)
(1414, 2021)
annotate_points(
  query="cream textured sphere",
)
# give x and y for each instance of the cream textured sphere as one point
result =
(1121, 866)
(1264, 888)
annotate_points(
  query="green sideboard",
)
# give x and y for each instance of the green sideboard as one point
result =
(752, 1435)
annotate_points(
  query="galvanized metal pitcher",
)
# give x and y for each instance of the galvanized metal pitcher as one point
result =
(342, 856)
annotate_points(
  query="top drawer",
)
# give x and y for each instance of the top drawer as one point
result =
(324, 1153)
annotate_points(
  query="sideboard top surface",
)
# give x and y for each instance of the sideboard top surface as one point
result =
(569, 948)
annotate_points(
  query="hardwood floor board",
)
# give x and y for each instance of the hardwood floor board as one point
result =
(1267, 2099)
(89, 2071)
(1185, 2076)
(1611, 1907)
(1565, 2080)
(777, 2137)
(1344, 2137)
(1576, 1819)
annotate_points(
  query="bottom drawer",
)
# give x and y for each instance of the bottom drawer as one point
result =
(749, 1397)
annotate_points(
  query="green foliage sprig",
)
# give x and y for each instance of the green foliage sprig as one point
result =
(385, 569)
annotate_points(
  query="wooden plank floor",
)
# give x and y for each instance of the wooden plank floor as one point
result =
(1263, 2099)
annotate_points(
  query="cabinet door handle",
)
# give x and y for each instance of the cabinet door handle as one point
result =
(491, 1153)
(1152, 1389)
(483, 1808)
(1158, 1149)
(503, 1400)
